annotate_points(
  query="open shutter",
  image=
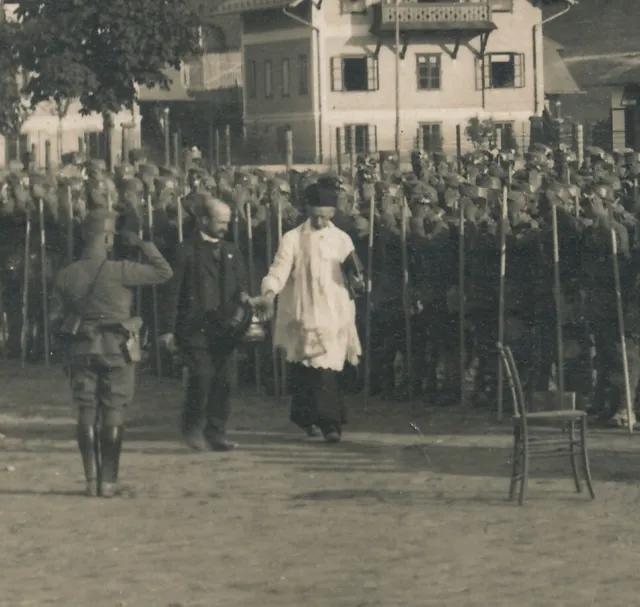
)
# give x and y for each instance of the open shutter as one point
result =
(336, 74)
(372, 73)
(341, 141)
(372, 138)
(518, 71)
(480, 73)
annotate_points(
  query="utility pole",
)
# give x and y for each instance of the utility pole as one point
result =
(397, 79)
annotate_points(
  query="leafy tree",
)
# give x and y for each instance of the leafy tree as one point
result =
(100, 51)
(14, 110)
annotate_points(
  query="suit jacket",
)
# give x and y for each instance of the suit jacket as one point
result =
(202, 285)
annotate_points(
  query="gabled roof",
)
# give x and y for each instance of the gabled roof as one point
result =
(606, 69)
(557, 77)
(598, 27)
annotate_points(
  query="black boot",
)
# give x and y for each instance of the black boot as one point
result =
(89, 446)
(110, 448)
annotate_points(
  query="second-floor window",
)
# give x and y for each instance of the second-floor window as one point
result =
(428, 72)
(286, 74)
(354, 73)
(303, 75)
(252, 80)
(500, 71)
(268, 79)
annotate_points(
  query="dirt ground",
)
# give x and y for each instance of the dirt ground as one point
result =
(288, 521)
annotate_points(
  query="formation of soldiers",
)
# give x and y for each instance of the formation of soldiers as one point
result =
(448, 225)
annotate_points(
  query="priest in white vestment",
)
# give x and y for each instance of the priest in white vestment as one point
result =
(316, 315)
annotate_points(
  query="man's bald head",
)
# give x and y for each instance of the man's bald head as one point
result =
(215, 216)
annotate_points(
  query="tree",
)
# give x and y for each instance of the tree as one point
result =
(14, 110)
(100, 51)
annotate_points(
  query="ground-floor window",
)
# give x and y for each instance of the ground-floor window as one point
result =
(362, 138)
(430, 137)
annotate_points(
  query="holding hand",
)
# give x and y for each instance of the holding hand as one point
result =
(130, 239)
(263, 306)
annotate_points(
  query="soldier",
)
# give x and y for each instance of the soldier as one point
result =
(91, 312)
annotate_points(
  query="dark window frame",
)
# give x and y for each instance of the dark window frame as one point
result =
(423, 59)
(338, 73)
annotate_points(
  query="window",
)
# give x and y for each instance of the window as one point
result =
(15, 147)
(500, 71)
(507, 139)
(286, 74)
(502, 6)
(252, 80)
(430, 137)
(354, 73)
(364, 137)
(303, 75)
(428, 71)
(268, 79)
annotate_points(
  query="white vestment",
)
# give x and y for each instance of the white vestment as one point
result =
(316, 318)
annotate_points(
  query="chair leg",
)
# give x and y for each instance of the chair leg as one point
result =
(524, 469)
(573, 455)
(515, 471)
(585, 457)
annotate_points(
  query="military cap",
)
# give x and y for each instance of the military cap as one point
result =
(468, 190)
(148, 171)
(196, 171)
(100, 221)
(317, 195)
(165, 183)
(131, 185)
(136, 155)
(124, 170)
(167, 172)
(491, 183)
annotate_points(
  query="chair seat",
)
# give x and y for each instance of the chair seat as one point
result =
(566, 415)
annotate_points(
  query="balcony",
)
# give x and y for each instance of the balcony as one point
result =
(213, 71)
(415, 16)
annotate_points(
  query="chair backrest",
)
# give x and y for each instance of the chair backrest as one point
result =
(513, 378)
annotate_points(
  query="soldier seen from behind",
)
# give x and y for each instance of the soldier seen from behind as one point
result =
(91, 313)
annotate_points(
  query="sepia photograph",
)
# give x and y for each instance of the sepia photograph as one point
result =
(319, 302)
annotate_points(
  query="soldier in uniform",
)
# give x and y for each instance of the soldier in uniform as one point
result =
(91, 311)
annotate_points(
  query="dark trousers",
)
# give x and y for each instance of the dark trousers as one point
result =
(207, 399)
(316, 398)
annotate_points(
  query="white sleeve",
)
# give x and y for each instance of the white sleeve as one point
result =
(282, 265)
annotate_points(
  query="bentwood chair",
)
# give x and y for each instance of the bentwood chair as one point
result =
(528, 446)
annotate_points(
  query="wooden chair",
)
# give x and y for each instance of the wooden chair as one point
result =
(527, 447)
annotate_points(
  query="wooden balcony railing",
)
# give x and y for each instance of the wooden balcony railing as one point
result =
(214, 71)
(416, 15)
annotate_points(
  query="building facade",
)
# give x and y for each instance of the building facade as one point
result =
(327, 70)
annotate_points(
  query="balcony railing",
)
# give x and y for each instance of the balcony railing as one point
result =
(416, 15)
(214, 71)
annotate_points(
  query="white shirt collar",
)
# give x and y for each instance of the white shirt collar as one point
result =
(208, 238)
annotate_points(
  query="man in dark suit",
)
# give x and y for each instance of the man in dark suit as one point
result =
(208, 288)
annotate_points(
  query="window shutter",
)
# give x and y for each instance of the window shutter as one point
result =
(372, 74)
(479, 74)
(336, 74)
(372, 138)
(341, 141)
(518, 68)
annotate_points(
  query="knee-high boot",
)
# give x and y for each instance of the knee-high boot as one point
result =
(110, 448)
(89, 446)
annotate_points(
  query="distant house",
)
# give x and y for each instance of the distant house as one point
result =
(602, 51)
(327, 71)
(72, 132)
(205, 93)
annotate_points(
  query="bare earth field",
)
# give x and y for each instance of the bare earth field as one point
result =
(289, 521)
